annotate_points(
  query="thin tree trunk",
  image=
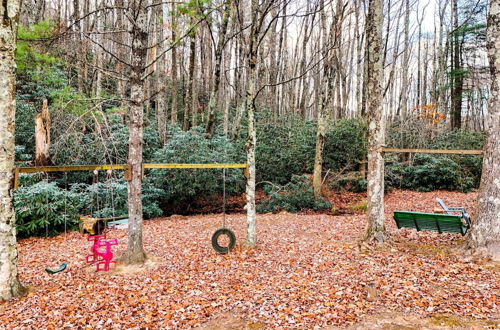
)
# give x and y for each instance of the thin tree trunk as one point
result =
(219, 51)
(173, 116)
(10, 287)
(191, 83)
(485, 232)
(457, 76)
(161, 103)
(376, 228)
(406, 60)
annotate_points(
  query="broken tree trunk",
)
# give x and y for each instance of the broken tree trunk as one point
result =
(42, 136)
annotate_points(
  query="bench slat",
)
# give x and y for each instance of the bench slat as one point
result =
(441, 223)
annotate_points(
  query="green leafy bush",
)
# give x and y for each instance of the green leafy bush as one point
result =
(283, 151)
(470, 165)
(186, 185)
(429, 173)
(110, 199)
(345, 144)
(294, 196)
(43, 209)
(354, 184)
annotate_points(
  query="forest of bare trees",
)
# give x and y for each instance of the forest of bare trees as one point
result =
(310, 58)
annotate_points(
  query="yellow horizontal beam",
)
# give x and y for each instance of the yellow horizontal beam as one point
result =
(70, 168)
(166, 166)
(435, 151)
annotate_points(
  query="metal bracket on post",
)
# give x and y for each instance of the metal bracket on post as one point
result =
(246, 173)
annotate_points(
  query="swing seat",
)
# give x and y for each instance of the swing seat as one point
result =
(441, 223)
(58, 270)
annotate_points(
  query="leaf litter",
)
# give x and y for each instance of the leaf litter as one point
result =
(307, 271)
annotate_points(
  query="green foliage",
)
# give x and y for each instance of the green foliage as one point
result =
(26, 53)
(354, 184)
(25, 130)
(186, 185)
(429, 173)
(110, 199)
(345, 144)
(470, 165)
(43, 208)
(294, 196)
(283, 151)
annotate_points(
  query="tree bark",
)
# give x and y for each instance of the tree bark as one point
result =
(251, 239)
(485, 232)
(376, 228)
(135, 252)
(323, 106)
(10, 287)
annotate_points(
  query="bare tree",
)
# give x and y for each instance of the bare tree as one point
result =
(376, 228)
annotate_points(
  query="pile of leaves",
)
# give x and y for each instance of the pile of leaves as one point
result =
(307, 271)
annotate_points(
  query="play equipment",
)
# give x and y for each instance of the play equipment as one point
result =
(97, 226)
(441, 223)
(58, 270)
(223, 231)
(101, 252)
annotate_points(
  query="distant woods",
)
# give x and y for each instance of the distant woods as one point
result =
(201, 62)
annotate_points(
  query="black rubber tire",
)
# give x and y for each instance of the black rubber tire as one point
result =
(215, 243)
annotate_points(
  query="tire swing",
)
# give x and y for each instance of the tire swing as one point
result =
(223, 249)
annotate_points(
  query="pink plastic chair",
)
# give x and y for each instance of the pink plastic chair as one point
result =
(101, 252)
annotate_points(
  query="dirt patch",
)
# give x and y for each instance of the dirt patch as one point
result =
(398, 321)
(231, 322)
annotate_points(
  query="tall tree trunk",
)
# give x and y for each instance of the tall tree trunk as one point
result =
(406, 60)
(457, 75)
(10, 287)
(120, 67)
(173, 116)
(161, 104)
(323, 106)
(191, 84)
(485, 232)
(376, 218)
(252, 55)
(213, 102)
(135, 251)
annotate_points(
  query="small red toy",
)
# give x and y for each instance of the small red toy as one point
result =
(101, 251)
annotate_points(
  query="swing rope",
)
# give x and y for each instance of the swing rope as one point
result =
(224, 198)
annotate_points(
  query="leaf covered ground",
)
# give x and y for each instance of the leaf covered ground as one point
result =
(307, 271)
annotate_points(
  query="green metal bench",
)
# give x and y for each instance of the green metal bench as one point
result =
(442, 223)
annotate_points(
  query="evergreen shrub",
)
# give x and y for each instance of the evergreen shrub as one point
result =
(292, 197)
